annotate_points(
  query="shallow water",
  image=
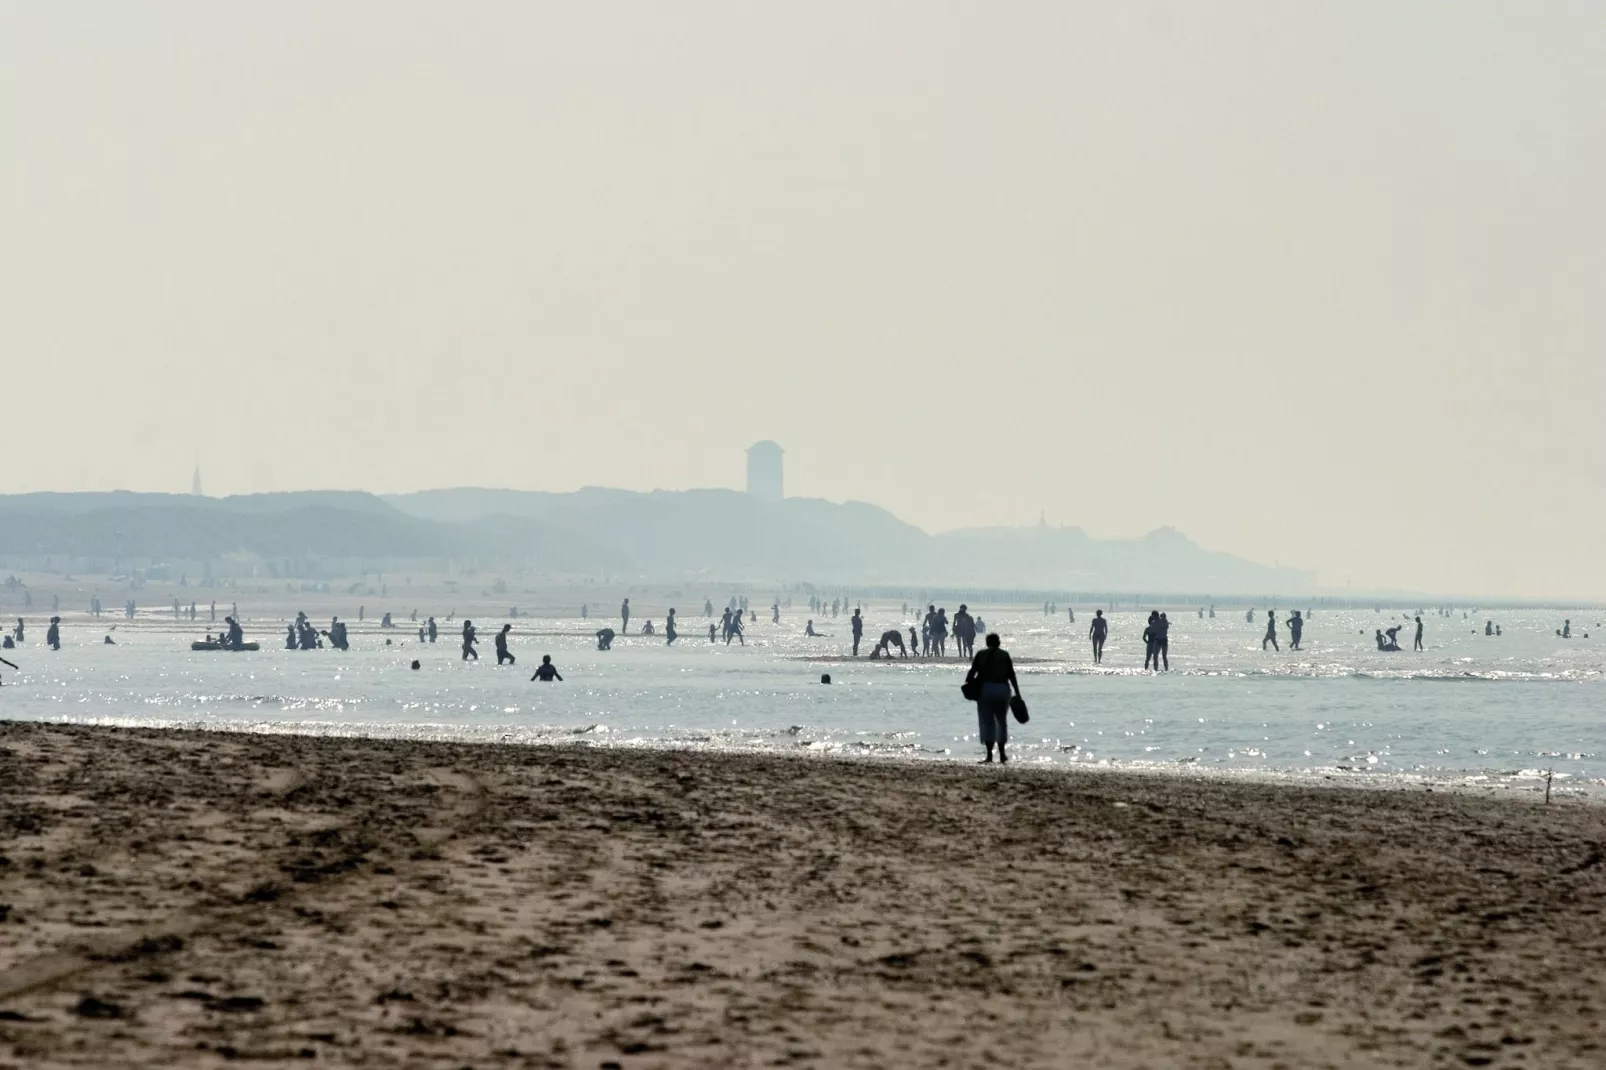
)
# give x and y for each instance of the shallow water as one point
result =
(1471, 708)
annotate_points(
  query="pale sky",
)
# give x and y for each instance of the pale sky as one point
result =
(1322, 284)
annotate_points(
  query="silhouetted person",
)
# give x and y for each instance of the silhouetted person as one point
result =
(669, 628)
(858, 631)
(53, 634)
(965, 631)
(1098, 632)
(708, 607)
(1417, 645)
(1394, 637)
(430, 625)
(1566, 628)
(236, 637)
(19, 631)
(914, 640)
(1151, 641)
(546, 672)
(995, 672)
(290, 641)
(605, 639)
(624, 617)
(1162, 643)
(1271, 631)
(775, 613)
(470, 637)
(713, 635)
(736, 630)
(1488, 627)
(502, 652)
(890, 639)
(1296, 629)
(808, 631)
(939, 632)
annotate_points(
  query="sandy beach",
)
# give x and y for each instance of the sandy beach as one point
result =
(189, 899)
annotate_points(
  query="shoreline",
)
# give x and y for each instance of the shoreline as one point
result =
(190, 898)
(1490, 782)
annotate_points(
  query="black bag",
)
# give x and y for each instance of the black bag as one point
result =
(971, 689)
(1017, 706)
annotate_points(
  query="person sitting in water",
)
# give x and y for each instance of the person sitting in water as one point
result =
(810, 633)
(647, 628)
(109, 641)
(890, 639)
(546, 672)
(605, 639)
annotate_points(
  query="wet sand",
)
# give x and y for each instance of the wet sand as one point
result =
(190, 899)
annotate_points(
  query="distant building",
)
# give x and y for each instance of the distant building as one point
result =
(764, 471)
(195, 484)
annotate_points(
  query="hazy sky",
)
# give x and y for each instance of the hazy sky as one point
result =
(1323, 284)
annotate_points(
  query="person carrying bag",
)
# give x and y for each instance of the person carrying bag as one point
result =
(992, 685)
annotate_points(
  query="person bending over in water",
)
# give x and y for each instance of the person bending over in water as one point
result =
(890, 639)
(1271, 631)
(546, 672)
(994, 670)
(502, 652)
(605, 639)
(1098, 632)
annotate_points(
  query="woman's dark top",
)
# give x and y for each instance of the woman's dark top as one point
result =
(992, 666)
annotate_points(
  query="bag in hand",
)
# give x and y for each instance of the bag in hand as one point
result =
(1017, 706)
(971, 689)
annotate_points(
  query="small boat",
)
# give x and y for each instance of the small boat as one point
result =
(219, 646)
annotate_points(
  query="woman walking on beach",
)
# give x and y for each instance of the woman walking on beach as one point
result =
(995, 672)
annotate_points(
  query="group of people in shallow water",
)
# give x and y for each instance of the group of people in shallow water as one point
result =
(301, 635)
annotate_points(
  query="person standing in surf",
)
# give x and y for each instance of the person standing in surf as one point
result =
(995, 672)
(1098, 632)
(1271, 631)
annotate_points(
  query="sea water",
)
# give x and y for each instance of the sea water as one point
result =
(1471, 708)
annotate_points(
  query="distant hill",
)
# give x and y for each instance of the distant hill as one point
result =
(662, 535)
(671, 533)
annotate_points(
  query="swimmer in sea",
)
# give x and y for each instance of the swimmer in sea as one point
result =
(546, 671)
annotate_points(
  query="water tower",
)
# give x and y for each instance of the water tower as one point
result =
(764, 471)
